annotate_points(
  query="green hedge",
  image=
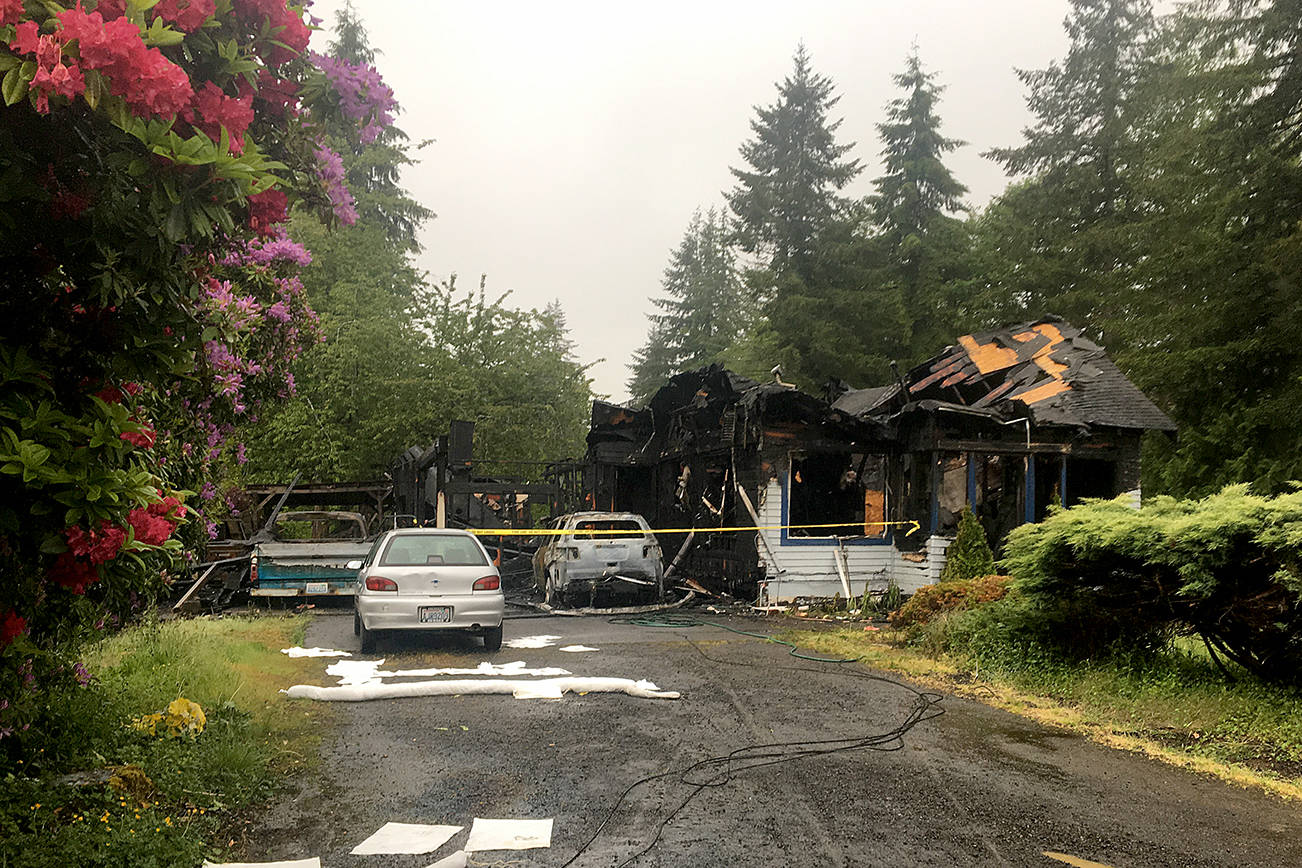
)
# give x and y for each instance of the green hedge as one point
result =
(1227, 568)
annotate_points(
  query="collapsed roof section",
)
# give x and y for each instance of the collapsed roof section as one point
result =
(1043, 369)
(708, 409)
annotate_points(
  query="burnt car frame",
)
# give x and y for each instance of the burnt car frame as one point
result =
(599, 554)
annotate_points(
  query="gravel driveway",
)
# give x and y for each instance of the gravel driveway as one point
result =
(972, 786)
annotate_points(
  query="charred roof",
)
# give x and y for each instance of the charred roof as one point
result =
(1044, 369)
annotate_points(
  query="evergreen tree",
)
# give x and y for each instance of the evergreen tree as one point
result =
(841, 320)
(969, 555)
(923, 245)
(794, 169)
(701, 312)
(374, 168)
(351, 42)
(1078, 152)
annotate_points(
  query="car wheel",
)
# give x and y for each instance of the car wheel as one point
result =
(357, 624)
(368, 638)
(493, 638)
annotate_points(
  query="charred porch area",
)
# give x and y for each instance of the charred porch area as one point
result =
(862, 488)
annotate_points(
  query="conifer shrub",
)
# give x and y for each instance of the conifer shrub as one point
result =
(1227, 568)
(969, 555)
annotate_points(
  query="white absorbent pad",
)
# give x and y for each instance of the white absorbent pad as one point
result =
(485, 668)
(531, 641)
(575, 648)
(314, 652)
(355, 671)
(314, 862)
(381, 690)
(456, 860)
(509, 835)
(405, 838)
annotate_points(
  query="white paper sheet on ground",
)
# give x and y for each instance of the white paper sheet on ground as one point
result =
(355, 671)
(485, 668)
(508, 835)
(314, 652)
(405, 838)
(456, 860)
(383, 690)
(576, 648)
(531, 642)
(314, 862)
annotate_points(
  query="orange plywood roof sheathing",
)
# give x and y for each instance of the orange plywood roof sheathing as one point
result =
(988, 357)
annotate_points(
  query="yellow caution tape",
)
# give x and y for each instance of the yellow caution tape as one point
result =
(526, 531)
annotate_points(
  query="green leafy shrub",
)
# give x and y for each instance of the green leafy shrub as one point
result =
(1227, 568)
(969, 555)
(933, 600)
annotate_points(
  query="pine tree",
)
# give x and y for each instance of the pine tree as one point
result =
(1078, 153)
(969, 555)
(794, 170)
(701, 312)
(374, 169)
(924, 245)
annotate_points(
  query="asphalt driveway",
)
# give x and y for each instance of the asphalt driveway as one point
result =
(971, 786)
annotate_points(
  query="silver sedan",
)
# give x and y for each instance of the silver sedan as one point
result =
(425, 579)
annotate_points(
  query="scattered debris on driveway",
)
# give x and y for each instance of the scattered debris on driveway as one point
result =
(394, 838)
(509, 835)
(520, 689)
(314, 652)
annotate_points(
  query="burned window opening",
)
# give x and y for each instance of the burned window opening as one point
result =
(1090, 477)
(837, 488)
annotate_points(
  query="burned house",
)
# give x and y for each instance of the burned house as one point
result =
(865, 488)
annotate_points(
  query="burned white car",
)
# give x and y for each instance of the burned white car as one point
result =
(599, 555)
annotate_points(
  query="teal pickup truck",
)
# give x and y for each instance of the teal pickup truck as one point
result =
(305, 553)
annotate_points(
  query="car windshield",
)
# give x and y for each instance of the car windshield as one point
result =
(607, 529)
(433, 550)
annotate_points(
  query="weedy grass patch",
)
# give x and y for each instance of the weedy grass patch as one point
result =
(1172, 703)
(107, 792)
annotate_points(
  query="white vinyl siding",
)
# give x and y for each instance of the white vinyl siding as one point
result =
(810, 570)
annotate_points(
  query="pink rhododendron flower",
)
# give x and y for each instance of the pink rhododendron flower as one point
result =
(12, 625)
(10, 11)
(97, 546)
(148, 528)
(144, 438)
(266, 209)
(73, 573)
(212, 109)
(187, 15)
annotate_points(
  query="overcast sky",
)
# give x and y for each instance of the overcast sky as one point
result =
(574, 139)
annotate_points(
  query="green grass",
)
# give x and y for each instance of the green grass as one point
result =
(193, 793)
(1173, 704)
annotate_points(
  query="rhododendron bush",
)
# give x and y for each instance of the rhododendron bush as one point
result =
(150, 154)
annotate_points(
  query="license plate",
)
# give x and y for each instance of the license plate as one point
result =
(317, 588)
(435, 614)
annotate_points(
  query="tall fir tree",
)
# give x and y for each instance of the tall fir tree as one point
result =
(701, 312)
(924, 246)
(1077, 153)
(794, 171)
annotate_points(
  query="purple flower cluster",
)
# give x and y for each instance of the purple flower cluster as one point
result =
(330, 171)
(264, 251)
(363, 95)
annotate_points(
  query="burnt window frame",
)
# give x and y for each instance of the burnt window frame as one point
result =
(785, 484)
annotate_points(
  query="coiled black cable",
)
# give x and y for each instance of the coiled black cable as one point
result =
(718, 771)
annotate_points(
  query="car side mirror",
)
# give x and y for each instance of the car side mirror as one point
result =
(352, 565)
